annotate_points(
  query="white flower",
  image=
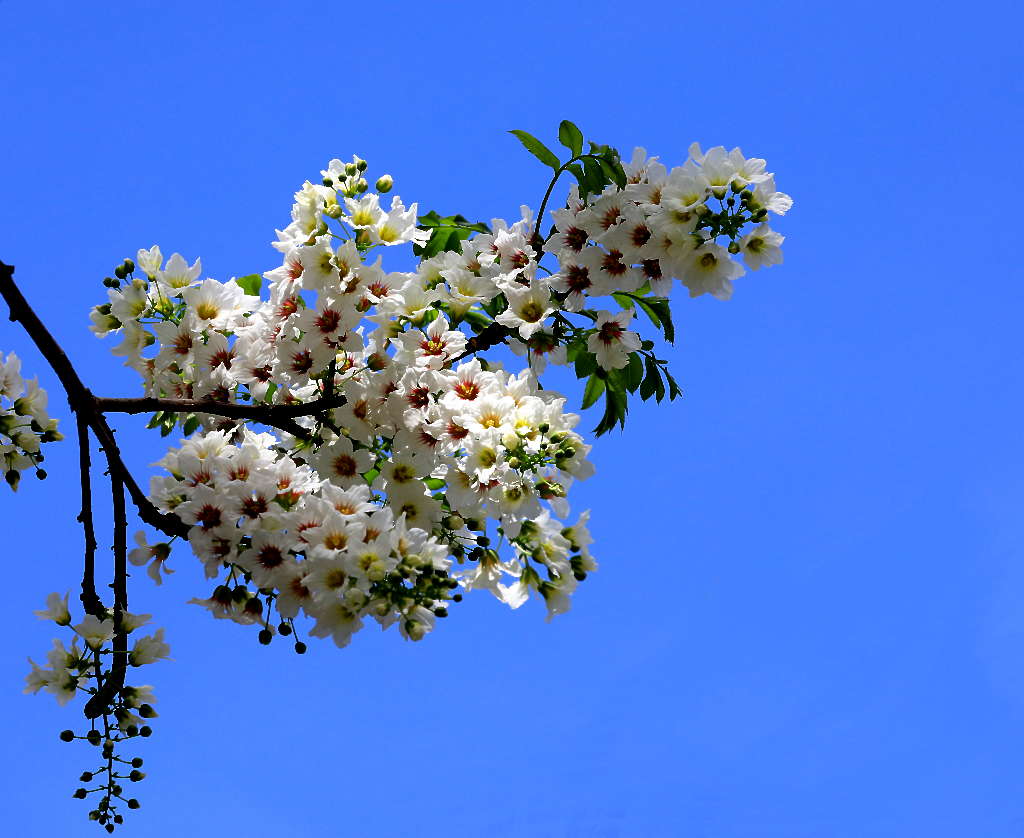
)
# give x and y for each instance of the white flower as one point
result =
(94, 631)
(611, 343)
(761, 247)
(149, 649)
(56, 610)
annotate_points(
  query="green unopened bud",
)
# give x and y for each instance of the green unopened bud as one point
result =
(133, 803)
(135, 776)
(67, 735)
(350, 169)
(129, 265)
(41, 473)
(734, 247)
(145, 730)
(93, 737)
(147, 711)
(80, 794)
(120, 272)
(137, 762)
(284, 629)
(746, 195)
(333, 211)
(360, 164)
(327, 182)
(384, 183)
(266, 636)
(300, 647)
(361, 186)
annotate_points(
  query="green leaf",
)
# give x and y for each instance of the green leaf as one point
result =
(191, 423)
(538, 149)
(371, 475)
(595, 176)
(673, 389)
(251, 284)
(581, 178)
(593, 391)
(634, 372)
(586, 364)
(613, 171)
(434, 483)
(652, 384)
(155, 419)
(571, 137)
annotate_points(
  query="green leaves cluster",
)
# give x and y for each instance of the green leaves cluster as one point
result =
(593, 170)
(446, 233)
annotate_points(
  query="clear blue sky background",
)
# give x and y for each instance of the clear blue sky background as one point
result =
(809, 619)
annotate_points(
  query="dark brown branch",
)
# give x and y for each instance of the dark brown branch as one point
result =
(99, 704)
(274, 415)
(82, 402)
(90, 601)
(492, 335)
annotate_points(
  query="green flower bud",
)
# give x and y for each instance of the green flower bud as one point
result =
(145, 730)
(67, 735)
(384, 184)
(129, 266)
(284, 629)
(734, 247)
(80, 794)
(133, 803)
(300, 647)
(265, 636)
(120, 272)
(361, 186)
(137, 762)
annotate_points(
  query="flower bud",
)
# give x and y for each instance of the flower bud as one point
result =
(265, 636)
(129, 266)
(361, 186)
(300, 647)
(133, 803)
(284, 629)
(350, 169)
(360, 164)
(333, 211)
(120, 272)
(67, 735)
(145, 730)
(734, 247)
(137, 762)
(384, 184)
(80, 794)
(147, 711)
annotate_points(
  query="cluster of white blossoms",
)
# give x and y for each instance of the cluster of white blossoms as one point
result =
(69, 669)
(387, 502)
(353, 448)
(24, 423)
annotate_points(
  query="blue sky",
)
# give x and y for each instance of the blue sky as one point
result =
(809, 619)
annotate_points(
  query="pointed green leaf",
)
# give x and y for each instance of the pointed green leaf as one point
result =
(538, 149)
(592, 392)
(571, 137)
(634, 372)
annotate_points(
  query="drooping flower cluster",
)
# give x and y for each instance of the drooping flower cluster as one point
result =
(24, 423)
(123, 714)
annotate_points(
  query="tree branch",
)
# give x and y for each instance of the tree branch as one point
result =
(274, 415)
(90, 601)
(82, 402)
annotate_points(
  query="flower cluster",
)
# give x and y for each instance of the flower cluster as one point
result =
(399, 464)
(24, 423)
(387, 500)
(87, 669)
